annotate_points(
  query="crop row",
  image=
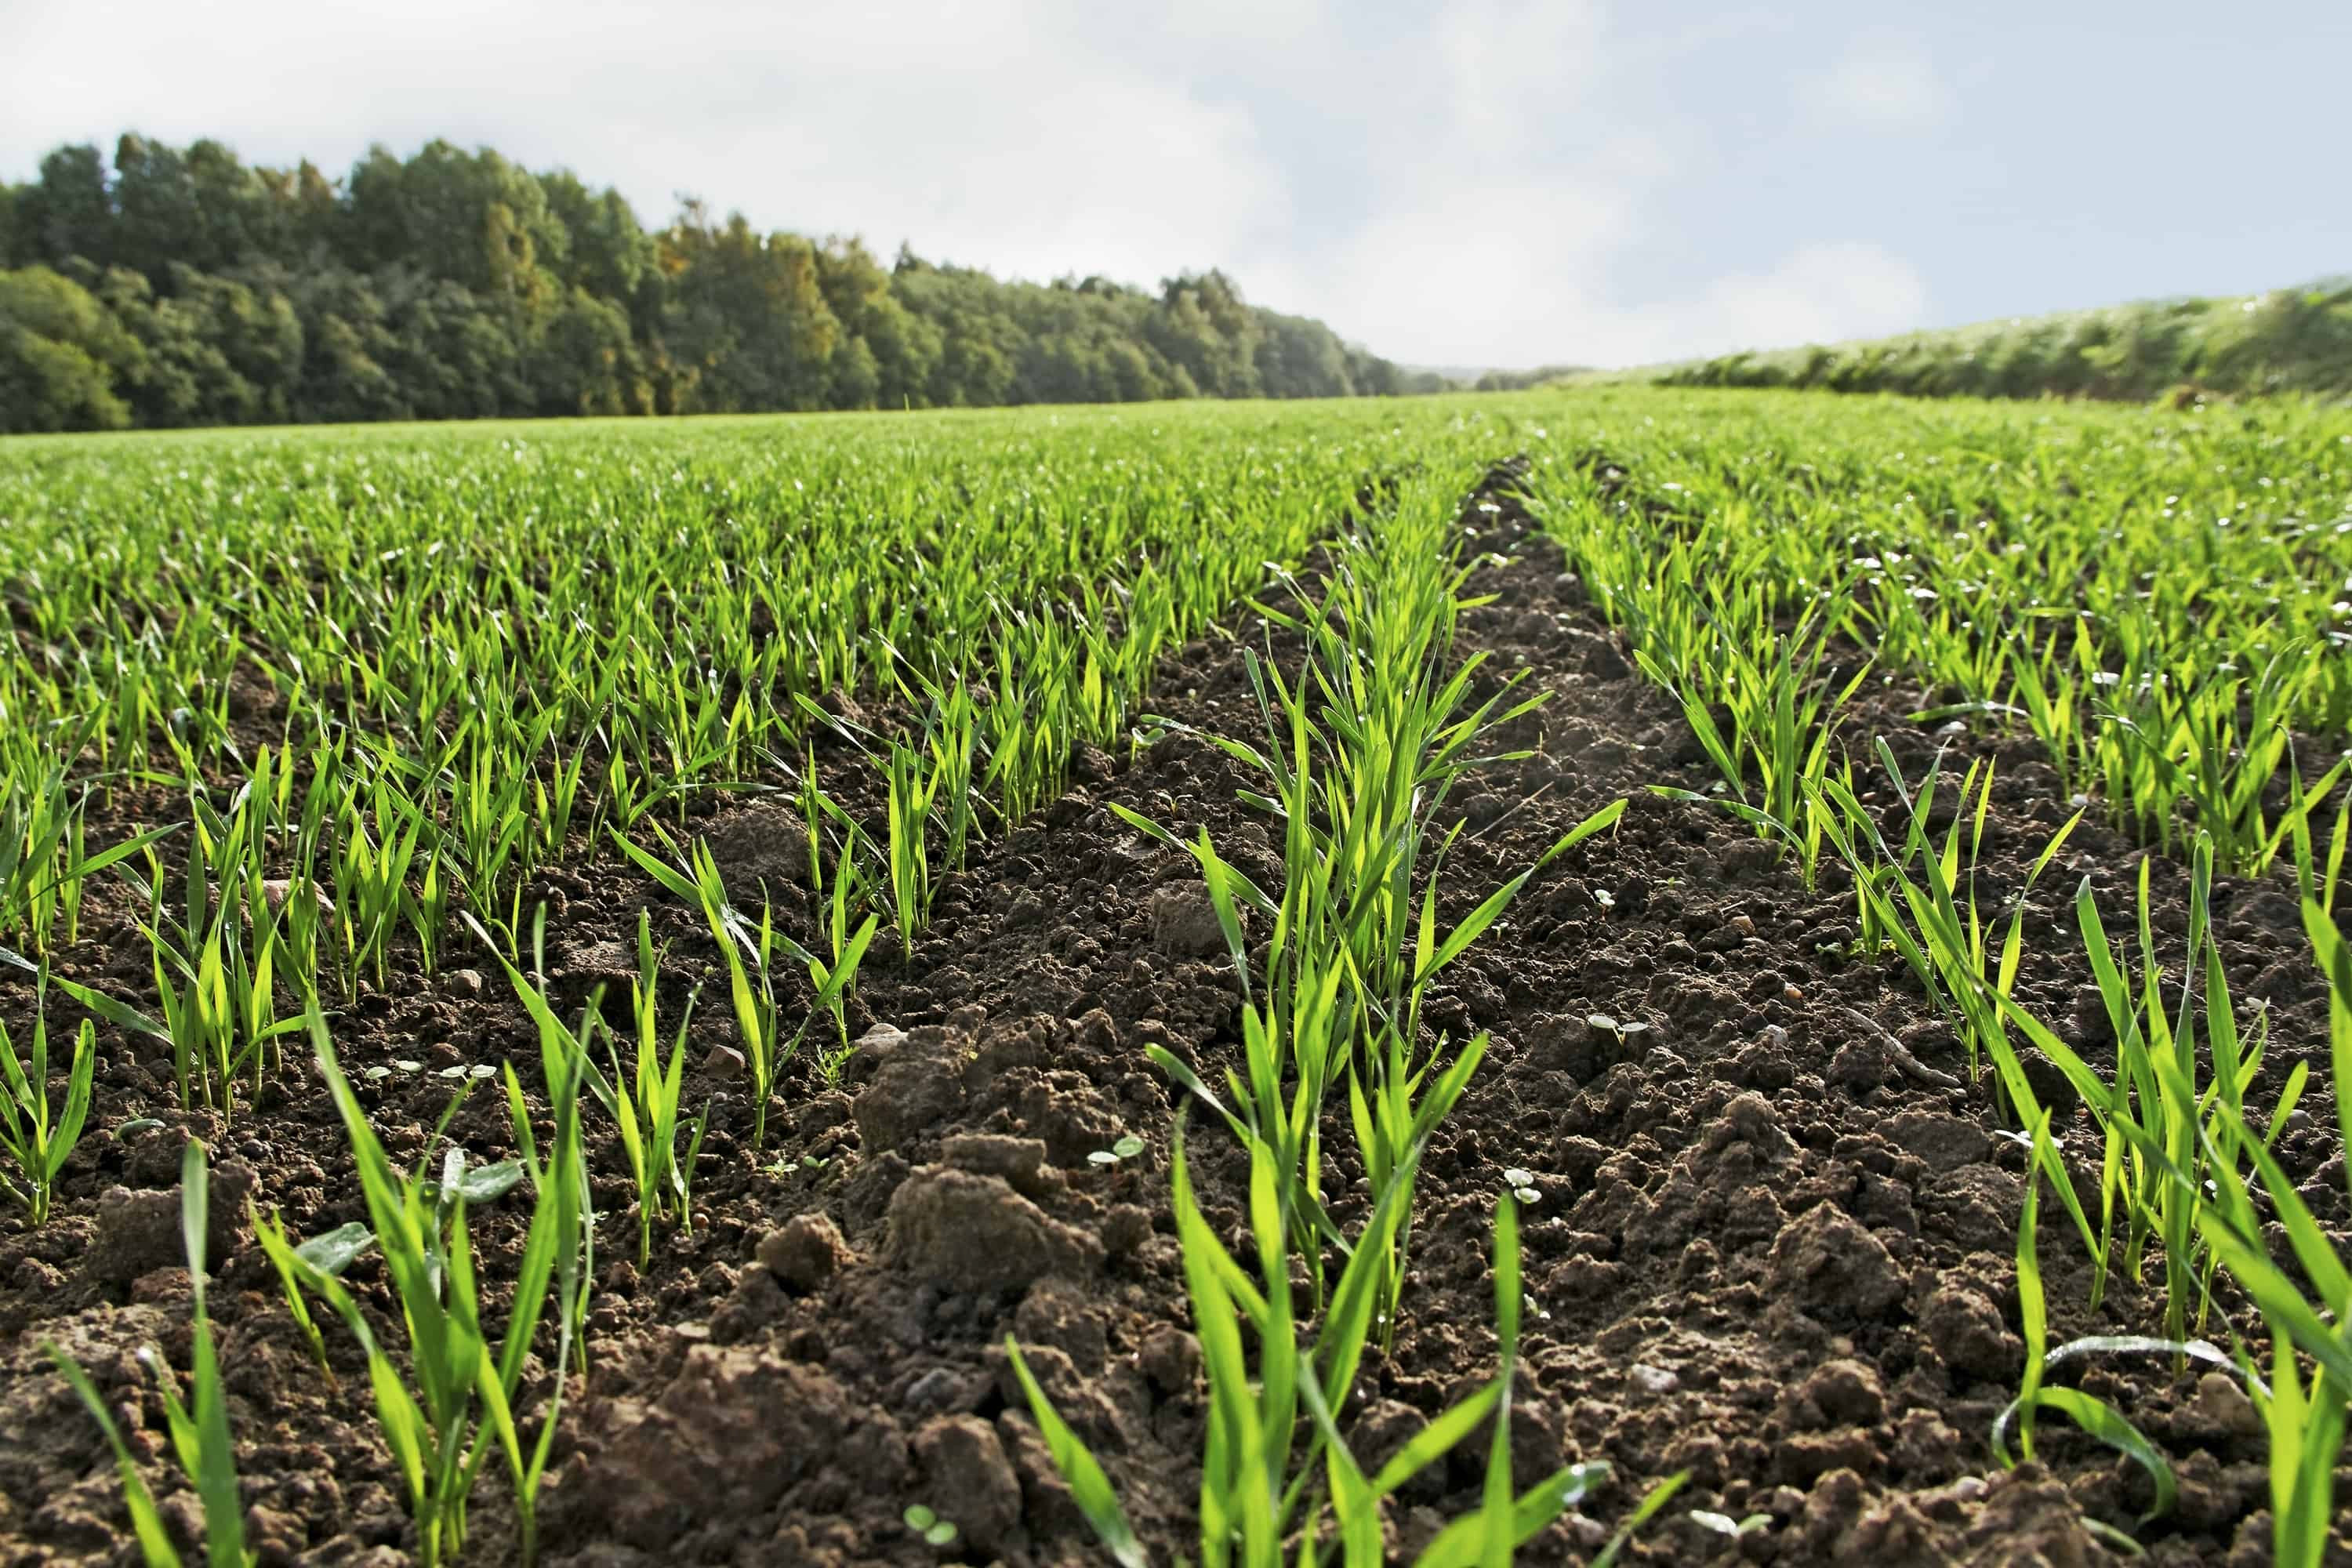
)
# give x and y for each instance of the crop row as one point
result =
(370, 689)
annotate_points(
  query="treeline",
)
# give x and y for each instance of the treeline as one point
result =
(180, 286)
(2290, 340)
(1521, 380)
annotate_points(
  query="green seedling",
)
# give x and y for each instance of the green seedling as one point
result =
(749, 952)
(38, 1140)
(2092, 1414)
(644, 1103)
(1732, 1529)
(1126, 1148)
(1264, 1475)
(329, 1253)
(457, 1404)
(1618, 1030)
(926, 1523)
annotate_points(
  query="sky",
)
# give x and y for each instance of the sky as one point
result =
(1479, 183)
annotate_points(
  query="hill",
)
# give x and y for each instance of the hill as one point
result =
(2289, 339)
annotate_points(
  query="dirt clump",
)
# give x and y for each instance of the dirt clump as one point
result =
(974, 1233)
(1185, 922)
(738, 1432)
(967, 1481)
(1832, 1265)
(140, 1232)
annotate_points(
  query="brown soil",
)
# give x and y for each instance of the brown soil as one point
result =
(1774, 1245)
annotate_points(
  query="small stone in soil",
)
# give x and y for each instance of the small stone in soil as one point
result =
(1170, 1358)
(1653, 1380)
(1966, 1331)
(2221, 1401)
(935, 1390)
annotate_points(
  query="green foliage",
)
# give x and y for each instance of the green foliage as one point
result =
(2091, 1414)
(183, 287)
(37, 1139)
(2148, 593)
(62, 356)
(449, 714)
(2289, 339)
(1360, 781)
(644, 1101)
(750, 953)
(2143, 595)
(2304, 1402)
(1271, 1423)
(396, 676)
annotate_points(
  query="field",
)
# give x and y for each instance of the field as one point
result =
(1596, 975)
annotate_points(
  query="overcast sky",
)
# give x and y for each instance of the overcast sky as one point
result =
(1474, 183)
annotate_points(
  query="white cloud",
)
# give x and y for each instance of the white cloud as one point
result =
(1882, 83)
(1480, 274)
(1505, 61)
(1516, 307)
(1819, 293)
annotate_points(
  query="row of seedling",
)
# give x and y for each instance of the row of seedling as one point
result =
(431, 763)
(1359, 753)
(230, 939)
(2190, 1172)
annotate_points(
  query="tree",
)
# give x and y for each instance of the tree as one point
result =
(607, 254)
(470, 219)
(347, 341)
(299, 218)
(157, 217)
(61, 355)
(1203, 327)
(452, 355)
(583, 361)
(13, 237)
(748, 312)
(215, 350)
(1299, 358)
(67, 212)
